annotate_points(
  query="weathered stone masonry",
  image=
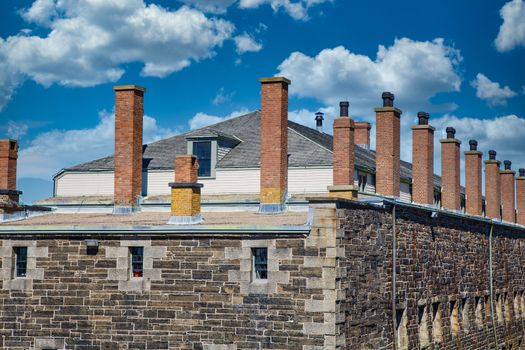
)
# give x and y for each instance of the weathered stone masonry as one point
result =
(329, 289)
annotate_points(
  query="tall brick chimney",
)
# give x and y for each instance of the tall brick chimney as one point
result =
(473, 195)
(274, 144)
(8, 158)
(185, 192)
(129, 112)
(343, 155)
(450, 171)
(520, 197)
(423, 161)
(508, 196)
(387, 147)
(492, 187)
(9, 196)
(362, 134)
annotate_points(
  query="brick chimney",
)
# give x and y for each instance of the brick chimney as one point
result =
(185, 192)
(343, 156)
(508, 196)
(274, 144)
(492, 187)
(362, 134)
(129, 112)
(473, 195)
(520, 197)
(387, 147)
(450, 171)
(423, 161)
(9, 196)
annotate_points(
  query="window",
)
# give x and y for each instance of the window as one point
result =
(20, 261)
(202, 150)
(260, 263)
(137, 261)
(361, 182)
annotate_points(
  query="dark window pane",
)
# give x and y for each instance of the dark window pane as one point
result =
(203, 152)
(260, 262)
(137, 261)
(21, 261)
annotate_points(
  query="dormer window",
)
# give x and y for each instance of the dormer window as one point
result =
(209, 146)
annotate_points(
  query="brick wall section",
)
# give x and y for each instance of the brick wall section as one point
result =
(129, 111)
(508, 195)
(473, 185)
(362, 133)
(520, 200)
(492, 189)
(423, 164)
(8, 158)
(438, 261)
(274, 139)
(186, 168)
(450, 174)
(343, 151)
(388, 151)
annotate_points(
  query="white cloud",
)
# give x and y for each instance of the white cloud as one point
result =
(246, 43)
(222, 96)
(298, 10)
(414, 71)
(491, 91)
(53, 150)
(16, 130)
(90, 40)
(307, 117)
(512, 31)
(200, 119)
(211, 6)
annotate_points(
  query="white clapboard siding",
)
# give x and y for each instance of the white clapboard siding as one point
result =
(311, 180)
(85, 184)
(157, 182)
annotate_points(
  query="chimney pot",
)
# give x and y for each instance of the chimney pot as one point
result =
(422, 118)
(319, 121)
(451, 133)
(522, 172)
(492, 154)
(473, 145)
(343, 107)
(507, 164)
(388, 99)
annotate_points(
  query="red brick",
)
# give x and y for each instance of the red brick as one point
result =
(8, 159)
(362, 133)
(473, 196)
(520, 200)
(343, 151)
(423, 164)
(492, 189)
(129, 112)
(388, 151)
(508, 195)
(450, 174)
(186, 168)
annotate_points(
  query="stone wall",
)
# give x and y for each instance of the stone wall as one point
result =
(197, 292)
(442, 288)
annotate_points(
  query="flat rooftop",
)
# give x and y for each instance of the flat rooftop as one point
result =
(158, 219)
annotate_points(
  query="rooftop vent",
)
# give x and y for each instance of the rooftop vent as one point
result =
(319, 117)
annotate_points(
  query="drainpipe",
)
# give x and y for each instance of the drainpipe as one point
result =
(394, 254)
(491, 287)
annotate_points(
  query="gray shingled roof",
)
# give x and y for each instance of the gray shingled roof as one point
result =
(307, 147)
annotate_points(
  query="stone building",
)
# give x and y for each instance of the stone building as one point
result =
(343, 269)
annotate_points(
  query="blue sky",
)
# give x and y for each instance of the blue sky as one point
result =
(200, 61)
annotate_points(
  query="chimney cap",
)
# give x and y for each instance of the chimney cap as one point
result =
(129, 87)
(275, 80)
(492, 154)
(343, 108)
(507, 164)
(423, 118)
(522, 172)
(319, 116)
(388, 99)
(451, 132)
(473, 145)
